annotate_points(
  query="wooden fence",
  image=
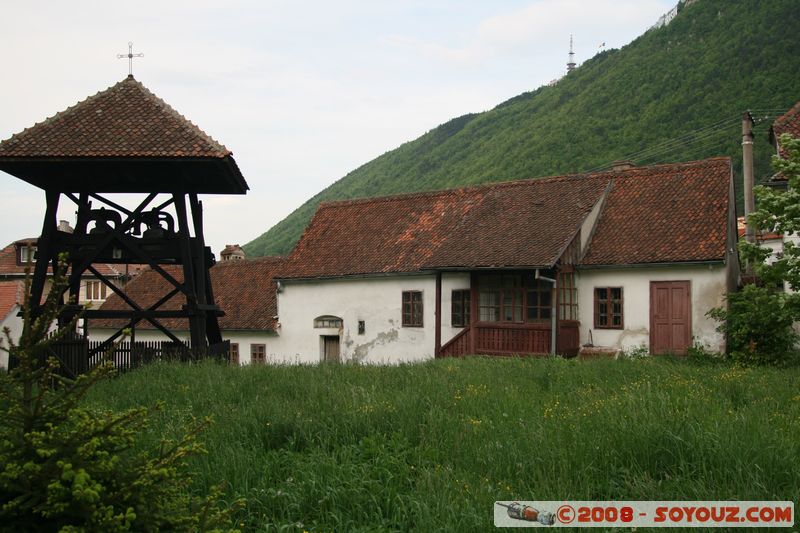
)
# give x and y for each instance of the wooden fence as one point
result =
(77, 355)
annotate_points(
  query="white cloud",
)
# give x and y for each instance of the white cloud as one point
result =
(302, 92)
(546, 25)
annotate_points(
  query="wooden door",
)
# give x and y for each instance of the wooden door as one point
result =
(330, 348)
(670, 317)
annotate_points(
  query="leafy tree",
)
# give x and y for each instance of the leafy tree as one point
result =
(67, 467)
(760, 320)
(779, 212)
(759, 325)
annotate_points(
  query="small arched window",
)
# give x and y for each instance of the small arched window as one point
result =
(328, 321)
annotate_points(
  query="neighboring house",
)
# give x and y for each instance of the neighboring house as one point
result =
(628, 257)
(10, 297)
(789, 123)
(232, 252)
(243, 289)
(18, 257)
(773, 241)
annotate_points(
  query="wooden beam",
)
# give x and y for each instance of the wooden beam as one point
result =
(197, 324)
(44, 251)
(136, 313)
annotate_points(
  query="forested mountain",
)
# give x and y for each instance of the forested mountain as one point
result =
(676, 93)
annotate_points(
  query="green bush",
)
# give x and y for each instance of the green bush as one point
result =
(66, 467)
(759, 325)
(701, 353)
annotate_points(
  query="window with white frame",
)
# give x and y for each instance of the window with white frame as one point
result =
(95, 290)
(27, 254)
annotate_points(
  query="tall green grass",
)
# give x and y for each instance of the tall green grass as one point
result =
(430, 447)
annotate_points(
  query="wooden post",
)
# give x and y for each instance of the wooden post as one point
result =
(438, 322)
(84, 206)
(197, 325)
(205, 292)
(473, 312)
(44, 251)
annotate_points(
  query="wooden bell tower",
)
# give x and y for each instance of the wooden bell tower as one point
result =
(134, 168)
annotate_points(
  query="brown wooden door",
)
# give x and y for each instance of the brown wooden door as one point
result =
(670, 317)
(330, 348)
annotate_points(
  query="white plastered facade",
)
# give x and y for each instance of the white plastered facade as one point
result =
(377, 301)
(707, 290)
(14, 324)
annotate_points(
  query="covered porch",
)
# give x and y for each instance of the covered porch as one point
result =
(512, 313)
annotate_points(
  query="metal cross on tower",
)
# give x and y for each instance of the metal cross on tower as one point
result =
(130, 55)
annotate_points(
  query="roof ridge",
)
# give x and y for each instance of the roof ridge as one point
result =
(252, 260)
(514, 183)
(659, 166)
(464, 189)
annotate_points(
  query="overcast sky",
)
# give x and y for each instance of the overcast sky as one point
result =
(301, 92)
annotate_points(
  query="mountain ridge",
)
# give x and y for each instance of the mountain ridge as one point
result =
(674, 93)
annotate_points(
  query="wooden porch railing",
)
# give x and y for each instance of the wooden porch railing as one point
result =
(458, 346)
(514, 339)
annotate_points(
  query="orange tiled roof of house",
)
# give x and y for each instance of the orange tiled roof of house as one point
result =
(486, 226)
(125, 120)
(9, 297)
(244, 290)
(663, 213)
(789, 123)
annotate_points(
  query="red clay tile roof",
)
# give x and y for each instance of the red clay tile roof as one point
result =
(664, 214)
(9, 266)
(9, 297)
(514, 224)
(653, 214)
(125, 120)
(243, 289)
(519, 224)
(789, 123)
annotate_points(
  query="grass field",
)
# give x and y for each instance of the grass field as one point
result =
(430, 447)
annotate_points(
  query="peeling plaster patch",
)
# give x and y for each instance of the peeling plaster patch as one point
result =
(362, 350)
(634, 334)
(710, 295)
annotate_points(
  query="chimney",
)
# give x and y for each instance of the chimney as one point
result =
(64, 226)
(232, 252)
(623, 164)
